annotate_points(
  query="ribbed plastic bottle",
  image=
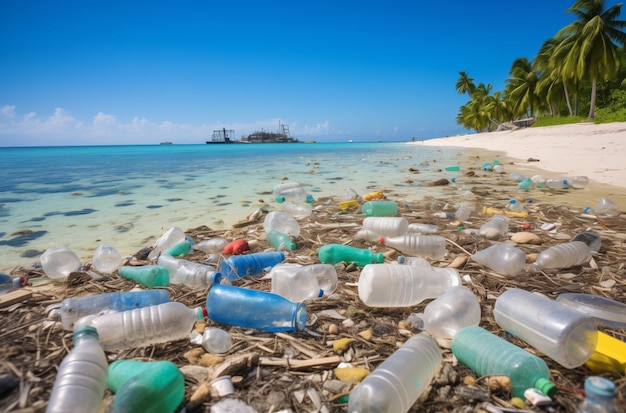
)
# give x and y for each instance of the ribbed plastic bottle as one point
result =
(170, 238)
(257, 309)
(147, 275)
(145, 386)
(487, 354)
(558, 183)
(334, 253)
(106, 259)
(396, 384)
(144, 326)
(564, 255)
(211, 246)
(195, 275)
(280, 241)
(281, 222)
(81, 379)
(592, 239)
(379, 208)
(495, 228)
(419, 245)
(600, 396)
(567, 336)
(74, 308)
(58, 263)
(8, 283)
(386, 226)
(391, 285)
(299, 283)
(239, 266)
(423, 228)
(501, 258)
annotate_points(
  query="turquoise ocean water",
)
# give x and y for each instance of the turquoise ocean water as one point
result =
(127, 196)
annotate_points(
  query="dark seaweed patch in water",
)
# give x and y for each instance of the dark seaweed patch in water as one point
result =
(123, 228)
(123, 204)
(2, 234)
(36, 219)
(4, 211)
(174, 199)
(10, 200)
(53, 213)
(224, 203)
(85, 211)
(154, 206)
(31, 253)
(104, 192)
(23, 239)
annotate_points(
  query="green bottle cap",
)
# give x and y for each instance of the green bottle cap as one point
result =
(545, 386)
(85, 331)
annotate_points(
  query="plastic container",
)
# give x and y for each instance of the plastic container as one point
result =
(281, 222)
(515, 206)
(254, 309)
(539, 181)
(280, 241)
(236, 247)
(386, 226)
(180, 249)
(464, 212)
(379, 208)
(211, 246)
(74, 308)
(391, 285)
(579, 182)
(423, 228)
(145, 386)
(396, 384)
(147, 275)
(487, 354)
(351, 204)
(297, 195)
(600, 396)
(299, 283)
(608, 312)
(367, 235)
(558, 183)
(106, 259)
(516, 177)
(499, 169)
(214, 340)
(564, 255)
(81, 379)
(501, 258)
(607, 207)
(373, 195)
(609, 356)
(280, 188)
(58, 263)
(349, 194)
(8, 283)
(453, 168)
(487, 166)
(141, 327)
(298, 210)
(592, 239)
(495, 228)
(420, 245)
(415, 261)
(557, 330)
(334, 253)
(195, 276)
(526, 184)
(447, 314)
(170, 238)
(240, 266)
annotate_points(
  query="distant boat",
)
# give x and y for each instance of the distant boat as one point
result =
(349, 140)
(223, 136)
(165, 143)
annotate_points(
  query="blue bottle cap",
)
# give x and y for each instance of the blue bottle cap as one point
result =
(599, 386)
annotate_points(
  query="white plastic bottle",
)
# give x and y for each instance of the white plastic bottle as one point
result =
(564, 255)
(396, 384)
(423, 228)
(299, 283)
(386, 226)
(81, 380)
(211, 246)
(419, 245)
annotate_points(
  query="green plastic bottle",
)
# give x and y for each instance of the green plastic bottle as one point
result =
(380, 208)
(180, 249)
(146, 387)
(147, 275)
(278, 239)
(334, 253)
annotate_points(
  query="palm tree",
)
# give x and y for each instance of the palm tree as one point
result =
(521, 87)
(465, 84)
(551, 87)
(588, 47)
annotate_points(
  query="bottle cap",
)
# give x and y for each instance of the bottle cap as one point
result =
(382, 240)
(599, 386)
(380, 257)
(85, 330)
(545, 386)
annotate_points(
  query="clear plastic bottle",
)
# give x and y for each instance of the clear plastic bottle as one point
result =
(350, 194)
(299, 283)
(386, 226)
(415, 261)
(239, 266)
(281, 222)
(419, 245)
(367, 235)
(144, 326)
(464, 212)
(515, 206)
(214, 340)
(81, 379)
(379, 208)
(296, 195)
(298, 210)
(74, 308)
(566, 255)
(591, 238)
(396, 384)
(600, 396)
(254, 309)
(106, 259)
(567, 336)
(558, 183)
(487, 354)
(501, 258)
(170, 238)
(516, 177)
(607, 207)
(147, 275)
(443, 317)
(391, 285)
(145, 386)
(195, 275)
(495, 228)
(58, 263)
(539, 181)
(423, 228)
(334, 253)
(579, 181)
(279, 188)
(8, 283)
(280, 241)
(211, 246)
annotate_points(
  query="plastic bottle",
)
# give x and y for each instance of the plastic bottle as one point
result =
(391, 285)
(516, 177)
(487, 166)
(515, 206)
(526, 184)
(464, 212)
(374, 195)
(240, 266)
(453, 168)
(443, 317)
(58, 263)
(386, 226)
(349, 194)
(146, 275)
(211, 246)
(379, 208)
(170, 238)
(81, 379)
(74, 308)
(8, 283)
(280, 241)
(214, 340)
(106, 259)
(144, 326)
(396, 384)
(195, 275)
(560, 332)
(539, 181)
(145, 386)
(592, 239)
(579, 182)
(499, 169)
(180, 249)
(367, 235)
(254, 309)
(564, 255)
(415, 261)
(298, 210)
(558, 183)
(501, 258)
(420, 245)
(487, 354)
(351, 204)
(487, 210)
(495, 228)
(299, 283)
(334, 253)
(236, 247)
(278, 189)
(600, 396)
(281, 222)
(297, 195)
(607, 207)
(423, 228)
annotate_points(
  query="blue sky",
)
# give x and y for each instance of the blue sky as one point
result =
(135, 72)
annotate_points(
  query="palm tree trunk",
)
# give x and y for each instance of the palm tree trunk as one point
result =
(569, 104)
(592, 105)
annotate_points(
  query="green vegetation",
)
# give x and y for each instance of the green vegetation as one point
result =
(581, 70)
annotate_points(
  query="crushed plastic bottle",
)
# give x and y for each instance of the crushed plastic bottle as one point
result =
(106, 259)
(299, 283)
(495, 228)
(214, 340)
(147, 275)
(211, 246)
(281, 222)
(501, 258)
(605, 208)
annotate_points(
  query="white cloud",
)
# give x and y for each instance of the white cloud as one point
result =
(8, 111)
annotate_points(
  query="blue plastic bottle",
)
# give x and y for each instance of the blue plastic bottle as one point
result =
(253, 308)
(8, 283)
(239, 266)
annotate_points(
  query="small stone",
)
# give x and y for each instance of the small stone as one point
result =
(351, 374)
(525, 237)
(333, 329)
(366, 334)
(341, 345)
(469, 380)
(458, 262)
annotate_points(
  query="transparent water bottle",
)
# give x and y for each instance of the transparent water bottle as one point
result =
(464, 212)
(141, 327)
(600, 396)
(280, 241)
(74, 308)
(566, 255)
(379, 208)
(281, 222)
(415, 261)
(567, 336)
(279, 188)
(558, 183)
(170, 238)
(298, 209)
(147, 275)
(214, 340)
(495, 228)
(145, 386)
(249, 308)
(240, 266)
(334, 253)
(396, 384)
(386, 226)
(367, 235)
(296, 195)
(539, 181)
(299, 283)
(501, 258)
(8, 283)
(607, 207)
(443, 317)
(106, 259)
(579, 182)
(515, 206)
(423, 228)
(592, 239)
(391, 285)
(58, 263)
(420, 245)
(350, 194)
(487, 354)
(195, 275)
(81, 379)
(211, 246)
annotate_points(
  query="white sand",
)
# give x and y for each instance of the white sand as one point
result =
(596, 151)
